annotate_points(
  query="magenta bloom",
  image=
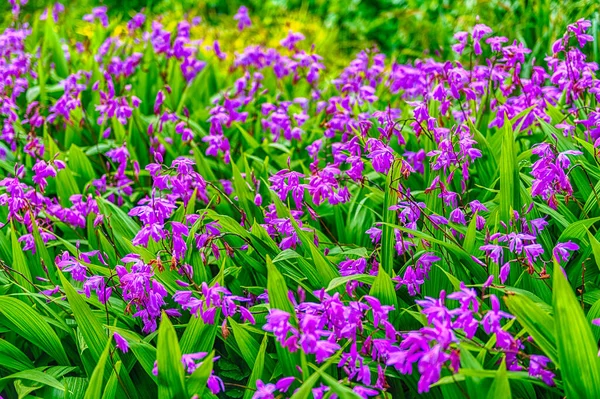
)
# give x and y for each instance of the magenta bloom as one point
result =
(562, 250)
(98, 13)
(291, 40)
(243, 18)
(122, 343)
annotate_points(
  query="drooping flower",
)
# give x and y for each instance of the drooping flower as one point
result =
(561, 250)
(121, 342)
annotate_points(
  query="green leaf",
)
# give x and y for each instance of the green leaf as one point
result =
(40, 247)
(278, 291)
(451, 278)
(465, 258)
(243, 193)
(199, 337)
(500, 387)
(92, 331)
(595, 248)
(278, 299)
(23, 275)
(577, 230)
(196, 384)
(110, 391)
(286, 254)
(96, 383)
(470, 237)
(52, 43)
(342, 391)
(36, 376)
(142, 350)
(577, 349)
(383, 289)
(326, 271)
(35, 91)
(539, 324)
(80, 163)
(13, 358)
(119, 220)
(467, 360)
(510, 196)
(390, 198)
(338, 281)
(75, 386)
(305, 389)
(592, 314)
(170, 369)
(247, 344)
(258, 369)
(66, 186)
(27, 323)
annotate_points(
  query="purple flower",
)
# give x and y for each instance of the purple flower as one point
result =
(264, 391)
(458, 216)
(51, 291)
(351, 267)
(467, 298)
(96, 283)
(291, 40)
(495, 252)
(375, 234)
(215, 384)
(430, 366)
(479, 31)
(278, 322)
(549, 173)
(491, 320)
(98, 13)
(462, 38)
(189, 361)
(579, 28)
(136, 22)
(42, 171)
(380, 154)
(537, 368)
(533, 251)
(496, 42)
(57, 9)
(145, 293)
(122, 343)
(243, 18)
(561, 250)
(504, 272)
(365, 392)
(217, 49)
(70, 264)
(284, 384)
(324, 349)
(538, 225)
(158, 102)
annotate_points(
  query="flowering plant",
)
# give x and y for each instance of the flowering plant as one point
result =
(181, 220)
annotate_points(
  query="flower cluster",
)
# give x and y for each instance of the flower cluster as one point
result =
(322, 328)
(169, 175)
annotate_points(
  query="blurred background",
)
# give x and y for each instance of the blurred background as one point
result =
(404, 29)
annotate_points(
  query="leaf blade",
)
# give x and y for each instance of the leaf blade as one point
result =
(577, 349)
